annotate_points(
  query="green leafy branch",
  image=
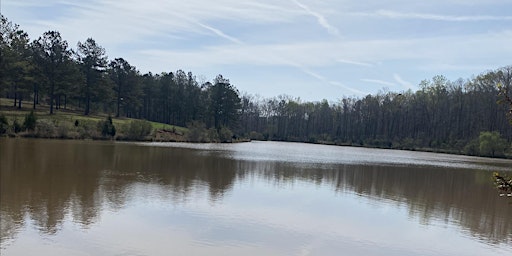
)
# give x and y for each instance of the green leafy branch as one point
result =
(503, 183)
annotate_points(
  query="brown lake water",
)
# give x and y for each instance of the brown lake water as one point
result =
(257, 198)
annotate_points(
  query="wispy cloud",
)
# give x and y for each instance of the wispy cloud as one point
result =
(357, 63)
(320, 18)
(220, 33)
(466, 50)
(313, 74)
(334, 83)
(376, 81)
(351, 89)
(436, 17)
(132, 20)
(254, 38)
(402, 82)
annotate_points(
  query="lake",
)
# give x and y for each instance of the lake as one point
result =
(259, 198)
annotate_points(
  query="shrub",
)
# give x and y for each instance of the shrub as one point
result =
(225, 135)
(16, 127)
(107, 127)
(407, 143)
(256, 136)
(213, 135)
(65, 130)
(138, 130)
(491, 144)
(472, 148)
(45, 128)
(3, 124)
(197, 132)
(87, 130)
(30, 121)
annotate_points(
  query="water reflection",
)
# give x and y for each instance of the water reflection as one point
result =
(47, 180)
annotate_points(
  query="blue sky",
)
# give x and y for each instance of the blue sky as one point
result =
(303, 48)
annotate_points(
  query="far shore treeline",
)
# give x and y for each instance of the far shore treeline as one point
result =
(461, 116)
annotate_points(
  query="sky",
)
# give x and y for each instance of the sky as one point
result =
(307, 49)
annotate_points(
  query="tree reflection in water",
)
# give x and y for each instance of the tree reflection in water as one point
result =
(47, 180)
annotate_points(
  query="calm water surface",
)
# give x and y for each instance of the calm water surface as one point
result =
(258, 198)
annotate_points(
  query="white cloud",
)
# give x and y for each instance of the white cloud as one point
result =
(324, 80)
(402, 82)
(350, 89)
(320, 18)
(327, 53)
(376, 81)
(220, 33)
(133, 20)
(263, 35)
(357, 63)
(313, 74)
(436, 17)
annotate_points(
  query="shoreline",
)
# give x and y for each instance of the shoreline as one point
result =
(184, 140)
(71, 125)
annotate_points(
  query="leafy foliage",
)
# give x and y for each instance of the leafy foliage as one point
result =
(16, 126)
(52, 56)
(30, 121)
(503, 183)
(45, 128)
(491, 144)
(138, 130)
(443, 115)
(92, 61)
(224, 103)
(15, 66)
(127, 86)
(4, 125)
(107, 127)
(197, 132)
(506, 98)
(225, 134)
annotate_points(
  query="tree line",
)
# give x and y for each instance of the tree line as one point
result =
(452, 115)
(442, 114)
(48, 70)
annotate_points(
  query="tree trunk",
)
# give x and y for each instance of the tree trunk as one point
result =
(15, 97)
(87, 104)
(87, 94)
(118, 97)
(52, 96)
(35, 97)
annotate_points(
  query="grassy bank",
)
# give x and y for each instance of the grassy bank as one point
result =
(72, 124)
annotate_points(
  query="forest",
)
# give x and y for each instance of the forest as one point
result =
(465, 116)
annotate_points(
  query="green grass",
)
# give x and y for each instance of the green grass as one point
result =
(168, 127)
(69, 116)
